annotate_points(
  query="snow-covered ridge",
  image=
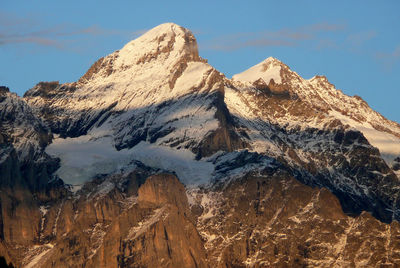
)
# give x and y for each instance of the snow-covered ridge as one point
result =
(132, 87)
(166, 42)
(321, 96)
(162, 68)
(21, 127)
(267, 70)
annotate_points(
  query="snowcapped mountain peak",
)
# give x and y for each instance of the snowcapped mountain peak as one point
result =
(321, 97)
(163, 30)
(168, 39)
(320, 79)
(145, 71)
(167, 45)
(270, 70)
(155, 89)
(272, 60)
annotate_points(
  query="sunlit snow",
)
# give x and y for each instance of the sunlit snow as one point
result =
(266, 70)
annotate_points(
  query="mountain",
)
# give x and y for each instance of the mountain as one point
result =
(153, 158)
(326, 134)
(23, 138)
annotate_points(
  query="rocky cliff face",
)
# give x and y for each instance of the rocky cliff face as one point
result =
(274, 221)
(149, 226)
(26, 173)
(155, 159)
(23, 138)
(261, 220)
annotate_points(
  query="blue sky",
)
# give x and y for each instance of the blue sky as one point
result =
(356, 44)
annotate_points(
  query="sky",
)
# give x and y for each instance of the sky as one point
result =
(355, 44)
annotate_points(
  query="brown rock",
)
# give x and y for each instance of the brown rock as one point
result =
(163, 189)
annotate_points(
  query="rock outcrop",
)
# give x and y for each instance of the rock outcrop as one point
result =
(110, 229)
(274, 221)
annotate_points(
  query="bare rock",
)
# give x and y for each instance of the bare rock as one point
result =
(163, 189)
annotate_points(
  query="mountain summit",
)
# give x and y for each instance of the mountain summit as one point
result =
(154, 158)
(166, 45)
(326, 101)
(267, 70)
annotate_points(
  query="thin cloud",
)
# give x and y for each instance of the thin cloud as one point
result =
(242, 40)
(32, 40)
(11, 20)
(45, 37)
(283, 37)
(389, 59)
(358, 39)
(326, 44)
(15, 30)
(249, 43)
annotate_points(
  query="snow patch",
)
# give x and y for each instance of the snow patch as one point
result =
(182, 162)
(41, 252)
(143, 226)
(84, 157)
(97, 238)
(388, 144)
(43, 210)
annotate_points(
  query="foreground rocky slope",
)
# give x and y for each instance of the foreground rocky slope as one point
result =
(274, 221)
(261, 220)
(276, 170)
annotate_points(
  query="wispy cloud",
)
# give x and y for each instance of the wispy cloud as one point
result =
(44, 37)
(326, 43)
(16, 30)
(242, 40)
(389, 59)
(318, 36)
(10, 20)
(358, 39)
(282, 37)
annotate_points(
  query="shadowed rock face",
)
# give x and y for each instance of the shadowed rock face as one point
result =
(23, 138)
(396, 164)
(4, 89)
(225, 137)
